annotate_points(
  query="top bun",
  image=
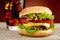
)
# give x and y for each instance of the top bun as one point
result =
(35, 9)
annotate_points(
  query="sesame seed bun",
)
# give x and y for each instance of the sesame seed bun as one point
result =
(35, 9)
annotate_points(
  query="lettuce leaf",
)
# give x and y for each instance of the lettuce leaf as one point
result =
(52, 27)
(31, 15)
(46, 15)
(42, 15)
(21, 26)
(31, 30)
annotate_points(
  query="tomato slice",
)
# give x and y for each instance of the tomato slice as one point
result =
(49, 21)
(23, 20)
(37, 21)
(43, 20)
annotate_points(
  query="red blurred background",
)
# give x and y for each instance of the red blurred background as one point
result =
(54, 5)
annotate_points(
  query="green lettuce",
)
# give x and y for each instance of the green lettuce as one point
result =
(42, 15)
(21, 26)
(52, 27)
(31, 15)
(29, 30)
(32, 29)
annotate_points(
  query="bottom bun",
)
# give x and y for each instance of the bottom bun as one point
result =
(37, 33)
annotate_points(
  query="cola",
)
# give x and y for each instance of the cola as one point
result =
(12, 10)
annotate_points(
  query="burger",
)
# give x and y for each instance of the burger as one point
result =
(36, 21)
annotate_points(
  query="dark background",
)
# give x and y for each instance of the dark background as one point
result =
(54, 5)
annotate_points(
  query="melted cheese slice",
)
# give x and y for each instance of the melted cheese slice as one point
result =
(47, 25)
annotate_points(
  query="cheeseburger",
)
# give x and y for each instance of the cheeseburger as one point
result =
(36, 21)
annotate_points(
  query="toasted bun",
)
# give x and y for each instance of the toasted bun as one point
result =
(35, 9)
(37, 33)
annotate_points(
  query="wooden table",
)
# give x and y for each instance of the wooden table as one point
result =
(13, 35)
